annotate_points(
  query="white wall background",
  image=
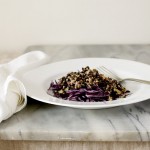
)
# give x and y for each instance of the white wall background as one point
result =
(31, 22)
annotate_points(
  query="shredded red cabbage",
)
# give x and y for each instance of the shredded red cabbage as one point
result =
(95, 94)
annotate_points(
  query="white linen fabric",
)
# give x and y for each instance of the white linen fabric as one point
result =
(13, 96)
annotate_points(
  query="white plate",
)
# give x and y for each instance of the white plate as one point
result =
(38, 80)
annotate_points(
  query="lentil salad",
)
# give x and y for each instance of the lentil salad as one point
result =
(87, 85)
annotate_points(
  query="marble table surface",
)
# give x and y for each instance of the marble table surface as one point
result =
(40, 121)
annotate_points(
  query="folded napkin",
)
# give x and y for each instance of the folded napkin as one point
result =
(12, 91)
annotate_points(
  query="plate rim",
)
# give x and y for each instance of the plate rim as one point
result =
(90, 103)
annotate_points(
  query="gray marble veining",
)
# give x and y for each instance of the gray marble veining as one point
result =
(40, 121)
(139, 53)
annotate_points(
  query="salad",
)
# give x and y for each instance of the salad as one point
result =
(87, 85)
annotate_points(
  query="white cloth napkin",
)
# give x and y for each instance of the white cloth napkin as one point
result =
(12, 91)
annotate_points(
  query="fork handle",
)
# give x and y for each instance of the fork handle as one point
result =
(136, 80)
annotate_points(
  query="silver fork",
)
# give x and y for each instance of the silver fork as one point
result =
(113, 75)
